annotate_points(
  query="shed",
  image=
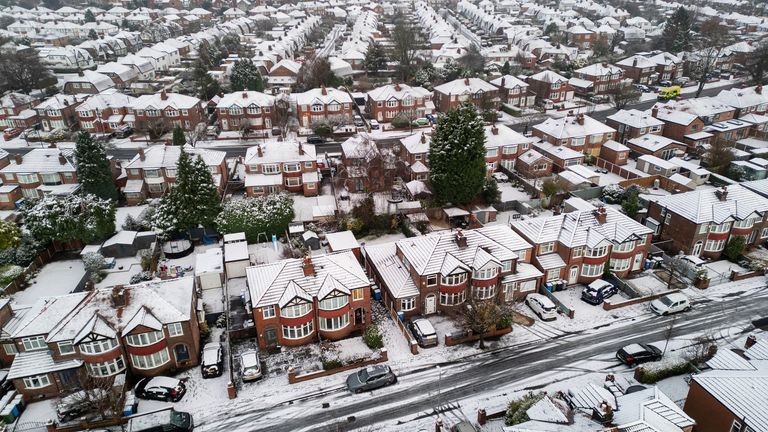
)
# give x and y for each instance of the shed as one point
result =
(343, 241)
(120, 245)
(484, 214)
(236, 258)
(209, 268)
(311, 240)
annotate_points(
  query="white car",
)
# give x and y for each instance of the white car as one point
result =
(542, 306)
(250, 365)
(671, 303)
(500, 177)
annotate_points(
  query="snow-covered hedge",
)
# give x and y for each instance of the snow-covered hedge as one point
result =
(664, 368)
(268, 215)
(74, 217)
(10, 274)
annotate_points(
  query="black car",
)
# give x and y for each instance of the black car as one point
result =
(598, 291)
(635, 354)
(212, 364)
(160, 388)
(315, 140)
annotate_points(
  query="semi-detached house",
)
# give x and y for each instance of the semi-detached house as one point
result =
(167, 110)
(321, 105)
(481, 94)
(58, 112)
(633, 123)
(106, 113)
(390, 101)
(281, 166)
(40, 171)
(250, 110)
(578, 132)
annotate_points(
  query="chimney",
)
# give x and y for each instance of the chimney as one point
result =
(580, 119)
(323, 91)
(503, 80)
(601, 215)
(306, 265)
(759, 89)
(62, 159)
(163, 95)
(466, 81)
(80, 72)
(119, 296)
(605, 65)
(494, 130)
(259, 151)
(18, 158)
(634, 62)
(245, 93)
(397, 87)
(654, 112)
(423, 138)
(301, 150)
(141, 154)
(461, 239)
(722, 194)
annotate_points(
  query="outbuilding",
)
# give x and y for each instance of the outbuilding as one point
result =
(209, 269)
(236, 258)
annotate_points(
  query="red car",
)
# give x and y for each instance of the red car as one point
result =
(11, 133)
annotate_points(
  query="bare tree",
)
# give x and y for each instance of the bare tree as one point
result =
(481, 316)
(154, 128)
(98, 397)
(719, 156)
(713, 37)
(704, 347)
(404, 48)
(757, 62)
(281, 114)
(23, 70)
(621, 96)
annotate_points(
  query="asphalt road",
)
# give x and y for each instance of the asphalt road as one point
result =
(414, 396)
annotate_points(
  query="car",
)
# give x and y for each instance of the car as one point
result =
(542, 306)
(432, 118)
(424, 332)
(500, 177)
(124, 132)
(166, 420)
(160, 388)
(11, 133)
(358, 121)
(597, 291)
(422, 121)
(212, 364)
(682, 81)
(665, 83)
(643, 88)
(692, 260)
(79, 404)
(276, 131)
(374, 124)
(670, 303)
(313, 139)
(370, 378)
(250, 365)
(637, 353)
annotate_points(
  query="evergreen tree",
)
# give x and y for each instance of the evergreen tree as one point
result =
(89, 16)
(506, 69)
(457, 156)
(74, 217)
(245, 76)
(92, 34)
(677, 31)
(375, 58)
(178, 136)
(93, 170)
(207, 87)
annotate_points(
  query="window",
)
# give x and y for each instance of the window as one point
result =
(540, 167)
(10, 348)
(235, 111)
(334, 107)
(292, 167)
(736, 426)
(667, 218)
(453, 280)
(144, 339)
(484, 293)
(509, 150)
(36, 382)
(506, 266)
(553, 274)
(764, 233)
(152, 113)
(308, 164)
(642, 240)
(746, 223)
(452, 299)
(619, 264)
(576, 142)
(170, 172)
(333, 324)
(714, 245)
(332, 303)
(172, 113)
(624, 247)
(254, 110)
(27, 178)
(597, 252)
(66, 348)
(270, 168)
(293, 181)
(51, 179)
(317, 108)
(493, 152)
(151, 173)
(107, 368)
(577, 252)
(175, 329)
(719, 229)
(34, 343)
(431, 280)
(150, 361)
(357, 294)
(408, 303)
(592, 269)
(268, 311)
(485, 273)
(703, 228)
(99, 346)
(546, 248)
(296, 310)
(299, 331)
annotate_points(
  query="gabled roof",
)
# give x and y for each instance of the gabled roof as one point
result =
(704, 206)
(245, 99)
(41, 362)
(417, 143)
(397, 92)
(740, 392)
(635, 118)
(548, 76)
(465, 86)
(569, 127)
(165, 100)
(168, 157)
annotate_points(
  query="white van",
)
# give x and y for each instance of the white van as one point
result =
(542, 306)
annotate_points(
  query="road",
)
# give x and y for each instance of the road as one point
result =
(414, 395)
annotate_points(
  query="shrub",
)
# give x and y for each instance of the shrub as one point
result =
(141, 277)
(10, 274)
(400, 122)
(373, 338)
(94, 264)
(657, 371)
(331, 364)
(516, 409)
(734, 248)
(504, 322)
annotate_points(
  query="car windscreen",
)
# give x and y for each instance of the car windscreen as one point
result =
(363, 375)
(179, 419)
(666, 300)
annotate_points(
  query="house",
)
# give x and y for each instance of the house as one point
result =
(153, 170)
(650, 409)
(532, 164)
(441, 271)
(745, 100)
(87, 82)
(149, 328)
(640, 69)
(696, 173)
(366, 165)
(164, 111)
(502, 146)
(633, 123)
(682, 127)
(700, 222)
(415, 154)
(14, 104)
(708, 109)
(561, 156)
(577, 247)
(669, 67)
(250, 110)
(393, 100)
(580, 37)
(729, 131)
(481, 94)
(551, 86)
(514, 91)
(578, 132)
(653, 165)
(295, 301)
(106, 113)
(39, 169)
(121, 75)
(323, 105)
(656, 145)
(604, 77)
(58, 112)
(614, 152)
(284, 73)
(281, 166)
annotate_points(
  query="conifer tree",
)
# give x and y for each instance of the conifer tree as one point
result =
(93, 171)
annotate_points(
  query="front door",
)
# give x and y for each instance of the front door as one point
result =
(270, 337)
(638, 262)
(697, 249)
(224, 124)
(573, 275)
(430, 305)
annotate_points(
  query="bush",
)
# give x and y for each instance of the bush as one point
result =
(734, 248)
(23, 254)
(516, 409)
(141, 277)
(491, 194)
(373, 338)
(331, 364)
(94, 264)
(504, 322)
(657, 371)
(400, 122)
(10, 274)
(257, 217)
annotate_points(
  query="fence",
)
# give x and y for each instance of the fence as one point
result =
(414, 346)
(570, 313)
(44, 257)
(609, 304)
(616, 169)
(588, 193)
(624, 287)
(294, 378)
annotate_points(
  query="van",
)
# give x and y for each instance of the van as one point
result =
(424, 333)
(165, 420)
(669, 93)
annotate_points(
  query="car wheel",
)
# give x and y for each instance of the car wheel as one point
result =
(393, 380)
(358, 390)
(665, 313)
(687, 309)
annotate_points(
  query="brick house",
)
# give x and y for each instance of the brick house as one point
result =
(748, 100)
(387, 102)
(153, 170)
(578, 132)
(656, 145)
(149, 328)
(514, 91)
(614, 152)
(549, 85)
(682, 126)
(14, 104)
(415, 155)
(603, 76)
(295, 301)
(58, 112)
(729, 131)
(106, 113)
(576, 247)
(708, 109)
(580, 37)
(639, 69)
(633, 123)
(532, 164)
(284, 73)
(366, 165)
(438, 273)
(87, 82)
(502, 147)
(121, 75)
(250, 109)
(669, 67)
(281, 166)
(41, 170)
(481, 94)
(164, 111)
(700, 222)
(562, 157)
(321, 105)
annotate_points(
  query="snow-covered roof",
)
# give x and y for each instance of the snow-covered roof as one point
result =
(397, 92)
(650, 407)
(501, 135)
(342, 240)
(743, 97)
(465, 86)
(740, 392)
(637, 61)
(635, 118)
(323, 96)
(30, 363)
(557, 151)
(705, 205)
(509, 82)
(245, 99)
(42, 160)
(548, 76)
(280, 152)
(416, 143)
(393, 274)
(165, 100)
(168, 157)
(653, 143)
(599, 69)
(569, 126)
(615, 146)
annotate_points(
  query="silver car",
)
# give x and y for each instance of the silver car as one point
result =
(370, 378)
(250, 365)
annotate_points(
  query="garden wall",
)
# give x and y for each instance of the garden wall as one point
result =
(294, 378)
(414, 346)
(461, 338)
(608, 304)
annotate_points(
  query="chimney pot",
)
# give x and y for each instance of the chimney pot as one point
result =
(654, 112)
(461, 239)
(163, 95)
(62, 159)
(18, 158)
(759, 89)
(323, 91)
(466, 81)
(494, 130)
(503, 80)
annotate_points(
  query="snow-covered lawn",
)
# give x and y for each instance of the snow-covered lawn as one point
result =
(587, 316)
(264, 253)
(55, 278)
(512, 193)
(381, 239)
(121, 273)
(35, 415)
(724, 291)
(121, 213)
(648, 284)
(307, 209)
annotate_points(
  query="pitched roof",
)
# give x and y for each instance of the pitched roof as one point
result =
(41, 362)
(165, 100)
(568, 126)
(465, 86)
(397, 92)
(168, 157)
(635, 118)
(244, 99)
(741, 392)
(704, 205)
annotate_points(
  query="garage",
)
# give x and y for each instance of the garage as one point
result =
(209, 269)
(236, 258)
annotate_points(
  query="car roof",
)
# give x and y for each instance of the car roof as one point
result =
(545, 301)
(249, 358)
(634, 348)
(676, 296)
(162, 381)
(212, 346)
(599, 283)
(424, 326)
(377, 369)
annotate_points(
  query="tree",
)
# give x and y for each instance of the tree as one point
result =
(457, 156)
(516, 410)
(506, 69)
(245, 76)
(491, 193)
(480, 317)
(93, 170)
(89, 16)
(404, 48)
(207, 86)
(734, 248)
(631, 205)
(75, 217)
(10, 235)
(677, 31)
(757, 62)
(231, 43)
(602, 46)
(719, 156)
(550, 188)
(375, 58)
(23, 70)
(316, 73)
(473, 61)
(551, 29)
(258, 217)
(713, 37)
(92, 34)
(281, 113)
(622, 96)
(178, 136)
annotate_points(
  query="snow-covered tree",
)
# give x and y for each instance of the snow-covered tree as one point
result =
(10, 235)
(93, 171)
(245, 76)
(89, 16)
(75, 217)
(253, 216)
(457, 156)
(178, 136)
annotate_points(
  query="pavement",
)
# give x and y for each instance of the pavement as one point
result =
(491, 371)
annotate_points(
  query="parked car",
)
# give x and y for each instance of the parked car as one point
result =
(168, 420)
(432, 118)
(250, 365)
(682, 81)
(313, 139)
(371, 378)
(374, 124)
(500, 177)
(671, 303)
(422, 121)
(643, 88)
(358, 121)
(160, 388)
(635, 354)
(79, 404)
(692, 260)
(11, 133)
(276, 131)
(212, 364)
(423, 331)
(597, 291)
(542, 306)
(124, 131)
(665, 83)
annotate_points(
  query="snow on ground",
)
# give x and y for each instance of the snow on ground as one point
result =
(724, 291)
(511, 193)
(189, 260)
(306, 208)
(722, 268)
(55, 278)
(381, 239)
(587, 316)
(35, 415)
(121, 273)
(647, 284)
(264, 253)
(121, 213)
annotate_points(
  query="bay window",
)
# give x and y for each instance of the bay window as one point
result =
(453, 280)
(334, 302)
(51, 179)
(624, 247)
(619, 264)
(107, 368)
(484, 293)
(714, 245)
(27, 178)
(452, 299)
(590, 270)
(270, 168)
(296, 310)
(150, 361)
(98, 347)
(719, 229)
(333, 324)
(486, 273)
(292, 167)
(597, 252)
(34, 343)
(144, 339)
(299, 331)
(408, 303)
(746, 223)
